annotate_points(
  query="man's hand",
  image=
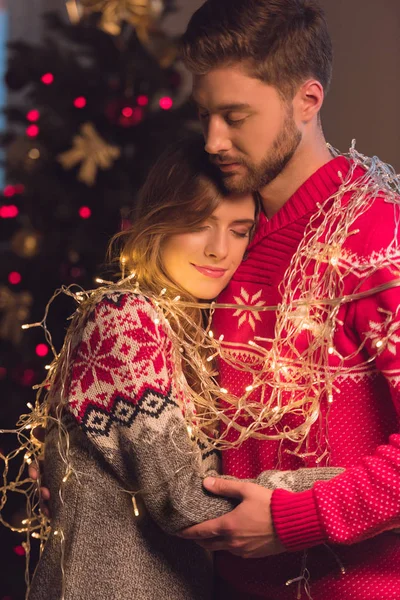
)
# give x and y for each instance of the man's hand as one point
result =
(246, 531)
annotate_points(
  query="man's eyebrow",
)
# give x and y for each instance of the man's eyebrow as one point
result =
(222, 107)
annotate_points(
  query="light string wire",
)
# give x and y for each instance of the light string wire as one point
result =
(285, 380)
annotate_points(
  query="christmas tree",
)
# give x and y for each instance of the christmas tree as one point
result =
(97, 102)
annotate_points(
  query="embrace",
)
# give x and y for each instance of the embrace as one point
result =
(224, 421)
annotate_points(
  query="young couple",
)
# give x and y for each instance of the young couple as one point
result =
(326, 232)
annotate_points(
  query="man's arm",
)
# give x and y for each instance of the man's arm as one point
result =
(246, 531)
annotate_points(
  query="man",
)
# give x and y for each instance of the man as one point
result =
(327, 253)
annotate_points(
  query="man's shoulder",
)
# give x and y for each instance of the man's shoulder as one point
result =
(375, 227)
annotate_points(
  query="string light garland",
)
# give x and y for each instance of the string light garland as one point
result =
(290, 377)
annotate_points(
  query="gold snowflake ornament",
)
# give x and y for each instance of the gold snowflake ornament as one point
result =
(139, 13)
(92, 151)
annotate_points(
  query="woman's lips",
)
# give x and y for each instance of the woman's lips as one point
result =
(210, 271)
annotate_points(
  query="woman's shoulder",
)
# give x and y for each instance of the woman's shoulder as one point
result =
(122, 307)
(110, 315)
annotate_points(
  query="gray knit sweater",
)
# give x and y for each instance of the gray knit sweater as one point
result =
(127, 434)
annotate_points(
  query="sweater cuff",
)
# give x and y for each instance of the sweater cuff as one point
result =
(296, 520)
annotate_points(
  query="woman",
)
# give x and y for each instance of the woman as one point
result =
(124, 458)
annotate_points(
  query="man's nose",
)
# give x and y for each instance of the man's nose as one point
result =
(217, 137)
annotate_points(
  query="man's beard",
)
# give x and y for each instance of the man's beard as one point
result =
(282, 151)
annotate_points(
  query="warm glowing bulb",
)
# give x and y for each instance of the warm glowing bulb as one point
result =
(135, 507)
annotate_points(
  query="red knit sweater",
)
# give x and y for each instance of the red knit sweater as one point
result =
(346, 521)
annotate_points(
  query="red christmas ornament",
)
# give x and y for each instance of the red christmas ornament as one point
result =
(47, 78)
(131, 116)
(14, 278)
(33, 115)
(127, 111)
(32, 130)
(28, 378)
(42, 350)
(9, 191)
(124, 113)
(142, 100)
(80, 102)
(166, 103)
(8, 212)
(85, 212)
(19, 550)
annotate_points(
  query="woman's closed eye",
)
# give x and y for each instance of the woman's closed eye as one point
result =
(241, 234)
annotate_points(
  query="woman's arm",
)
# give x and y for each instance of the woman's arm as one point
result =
(123, 395)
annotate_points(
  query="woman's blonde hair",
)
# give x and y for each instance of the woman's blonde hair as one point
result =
(181, 191)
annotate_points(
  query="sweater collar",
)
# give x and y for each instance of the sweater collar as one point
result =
(315, 190)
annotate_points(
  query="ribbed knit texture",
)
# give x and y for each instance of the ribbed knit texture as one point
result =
(127, 434)
(354, 513)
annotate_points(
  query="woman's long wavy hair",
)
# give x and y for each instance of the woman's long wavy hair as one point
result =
(181, 191)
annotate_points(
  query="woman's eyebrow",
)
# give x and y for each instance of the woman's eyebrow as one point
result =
(235, 221)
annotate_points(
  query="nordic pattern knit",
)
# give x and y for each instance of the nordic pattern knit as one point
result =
(353, 514)
(127, 434)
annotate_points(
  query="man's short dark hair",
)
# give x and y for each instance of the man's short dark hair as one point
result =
(281, 42)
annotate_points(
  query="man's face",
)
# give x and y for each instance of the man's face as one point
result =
(249, 129)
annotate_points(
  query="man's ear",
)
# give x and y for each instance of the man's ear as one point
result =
(308, 100)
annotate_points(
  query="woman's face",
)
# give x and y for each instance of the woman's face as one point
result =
(203, 261)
